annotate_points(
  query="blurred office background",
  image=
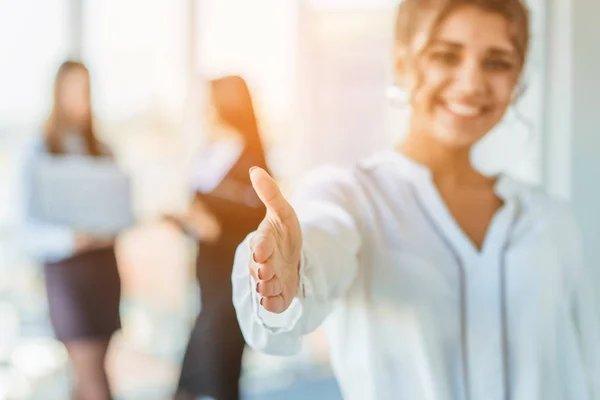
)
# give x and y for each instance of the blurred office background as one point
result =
(320, 74)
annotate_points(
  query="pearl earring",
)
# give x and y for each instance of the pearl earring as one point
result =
(396, 95)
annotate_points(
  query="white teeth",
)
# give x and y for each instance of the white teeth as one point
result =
(463, 110)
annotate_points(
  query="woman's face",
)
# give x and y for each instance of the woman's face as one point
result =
(464, 80)
(74, 96)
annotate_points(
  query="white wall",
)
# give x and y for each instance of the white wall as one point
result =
(344, 74)
(556, 154)
(585, 127)
(571, 138)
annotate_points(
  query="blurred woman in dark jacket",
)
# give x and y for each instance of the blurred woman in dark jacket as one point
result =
(224, 210)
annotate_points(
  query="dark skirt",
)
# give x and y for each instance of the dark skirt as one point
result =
(84, 293)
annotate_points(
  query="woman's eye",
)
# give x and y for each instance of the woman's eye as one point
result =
(445, 57)
(498, 65)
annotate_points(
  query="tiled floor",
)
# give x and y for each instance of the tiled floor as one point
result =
(157, 309)
(39, 372)
(136, 376)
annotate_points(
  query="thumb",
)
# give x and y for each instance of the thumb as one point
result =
(267, 190)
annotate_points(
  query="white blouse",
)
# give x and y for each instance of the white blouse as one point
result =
(413, 310)
(214, 163)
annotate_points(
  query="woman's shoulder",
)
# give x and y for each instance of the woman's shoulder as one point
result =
(374, 174)
(542, 207)
(554, 218)
(329, 177)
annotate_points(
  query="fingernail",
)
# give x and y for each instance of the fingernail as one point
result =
(259, 274)
(252, 169)
(257, 287)
(261, 300)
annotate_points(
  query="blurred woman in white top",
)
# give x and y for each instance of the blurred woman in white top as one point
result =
(431, 280)
(80, 269)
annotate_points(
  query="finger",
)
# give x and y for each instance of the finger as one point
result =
(261, 272)
(267, 190)
(269, 288)
(273, 304)
(253, 271)
(265, 272)
(253, 268)
(262, 246)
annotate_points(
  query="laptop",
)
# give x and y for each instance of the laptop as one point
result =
(90, 195)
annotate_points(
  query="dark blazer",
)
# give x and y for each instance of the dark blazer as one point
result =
(239, 211)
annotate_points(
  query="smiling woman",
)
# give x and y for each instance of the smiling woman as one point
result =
(465, 76)
(431, 279)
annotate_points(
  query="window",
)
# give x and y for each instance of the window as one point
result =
(137, 53)
(34, 42)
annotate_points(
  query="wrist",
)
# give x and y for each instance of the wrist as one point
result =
(300, 276)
